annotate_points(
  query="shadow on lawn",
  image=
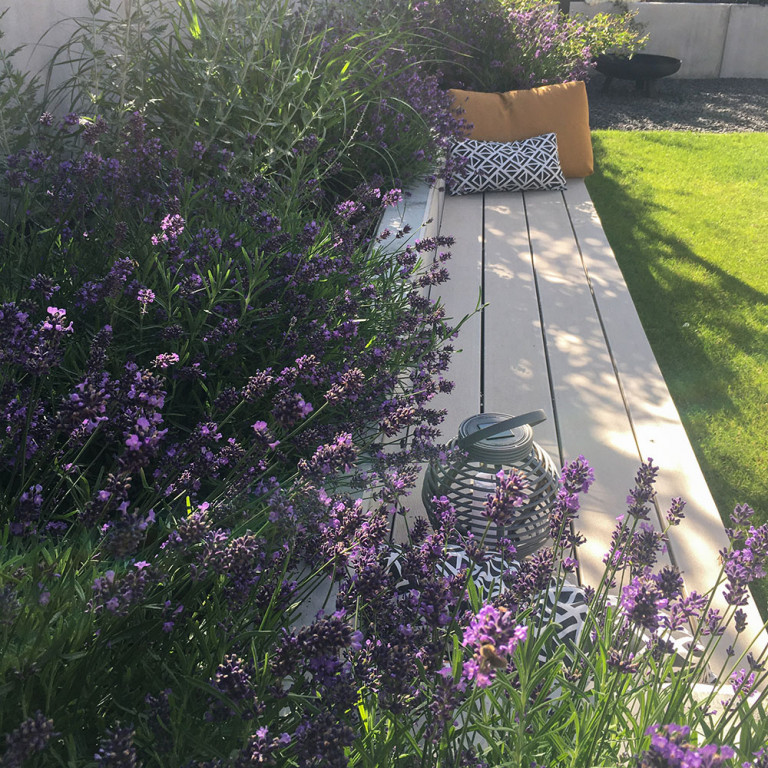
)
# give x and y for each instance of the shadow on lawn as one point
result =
(681, 299)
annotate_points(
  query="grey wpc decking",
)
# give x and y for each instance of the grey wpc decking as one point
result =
(559, 332)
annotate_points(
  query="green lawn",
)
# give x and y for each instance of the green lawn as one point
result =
(687, 216)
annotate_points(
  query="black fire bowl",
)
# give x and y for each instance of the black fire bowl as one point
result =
(643, 68)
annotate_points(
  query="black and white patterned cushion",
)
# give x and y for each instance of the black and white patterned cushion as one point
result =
(567, 601)
(487, 576)
(488, 166)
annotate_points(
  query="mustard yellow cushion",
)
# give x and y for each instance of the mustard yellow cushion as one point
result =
(515, 115)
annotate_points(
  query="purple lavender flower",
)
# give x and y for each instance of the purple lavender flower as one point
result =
(675, 512)
(643, 493)
(446, 696)
(124, 536)
(617, 556)
(323, 740)
(28, 511)
(743, 685)
(348, 388)
(172, 226)
(117, 595)
(94, 129)
(712, 623)
(511, 493)
(316, 649)
(347, 209)
(349, 530)
(577, 476)
(622, 661)
(45, 285)
(257, 386)
(337, 456)
(234, 680)
(669, 582)
(36, 348)
(116, 749)
(145, 296)
(760, 759)
(261, 749)
(493, 636)
(30, 738)
(742, 515)
(743, 566)
(643, 547)
(165, 360)
(198, 150)
(263, 436)
(191, 529)
(392, 197)
(671, 748)
(642, 601)
(241, 559)
(532, 575)
(110, 286)
(290, 407)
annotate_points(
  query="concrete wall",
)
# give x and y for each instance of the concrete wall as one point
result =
(712, 40)
(746, 46)
(42, 26)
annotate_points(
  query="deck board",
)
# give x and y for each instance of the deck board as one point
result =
(460, 296)
(516, 375)
(591, 414)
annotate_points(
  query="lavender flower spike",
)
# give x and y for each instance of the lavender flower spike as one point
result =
(493, 635)
(510, 494)
(670, 746)
(31, 737)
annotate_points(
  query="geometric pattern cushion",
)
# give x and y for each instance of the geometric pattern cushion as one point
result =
(487, 576)
(496, 166)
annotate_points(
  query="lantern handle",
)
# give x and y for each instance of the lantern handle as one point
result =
(531, 419)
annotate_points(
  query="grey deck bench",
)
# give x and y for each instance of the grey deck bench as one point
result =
(560, 332)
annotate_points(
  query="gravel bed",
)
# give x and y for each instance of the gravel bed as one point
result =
(722, 105)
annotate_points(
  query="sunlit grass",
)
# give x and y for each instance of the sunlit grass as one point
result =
(687, 216)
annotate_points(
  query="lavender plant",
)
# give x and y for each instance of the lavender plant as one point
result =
(283, 88)
(503, 688)
(502, 45)
(179, 357)
(414, 667)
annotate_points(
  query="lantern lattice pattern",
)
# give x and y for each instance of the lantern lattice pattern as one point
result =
(491, 442)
